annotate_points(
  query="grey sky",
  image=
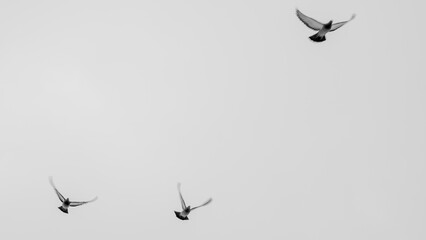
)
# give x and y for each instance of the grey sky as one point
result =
(292, 139)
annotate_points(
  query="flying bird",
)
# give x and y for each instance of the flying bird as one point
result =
(187, 209)
(320, 27)
(66, 201)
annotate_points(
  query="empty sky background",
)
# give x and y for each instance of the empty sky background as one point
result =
(292, 139)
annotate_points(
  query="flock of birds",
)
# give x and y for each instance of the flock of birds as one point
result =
(322, 29)
(66, 203)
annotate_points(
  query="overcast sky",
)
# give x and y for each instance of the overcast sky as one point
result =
(292, 139)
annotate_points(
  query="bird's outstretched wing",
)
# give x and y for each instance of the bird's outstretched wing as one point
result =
(182, 202)
(56, 190)
(310, 22)
(339, 24)
(204, 204)
(75, 204)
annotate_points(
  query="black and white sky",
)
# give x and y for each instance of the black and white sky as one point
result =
(292, 139)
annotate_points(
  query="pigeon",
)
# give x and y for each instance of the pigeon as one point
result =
(320, 27)
(66, 201)
(187, 209)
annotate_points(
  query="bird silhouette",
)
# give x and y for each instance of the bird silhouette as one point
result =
(320, 27)
(183, 215)
(66, 203)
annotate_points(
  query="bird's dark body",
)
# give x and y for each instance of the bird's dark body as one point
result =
(320, 36)
(328, 26)
(65, 205)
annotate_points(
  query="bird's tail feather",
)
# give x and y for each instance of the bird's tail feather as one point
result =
(65, 210)
(178, 215)
(317, 38)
